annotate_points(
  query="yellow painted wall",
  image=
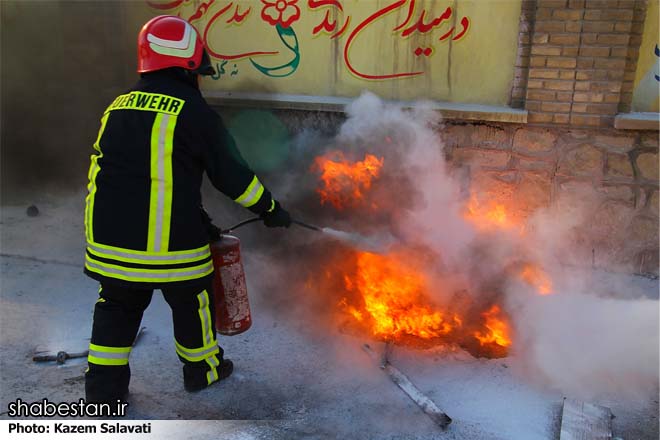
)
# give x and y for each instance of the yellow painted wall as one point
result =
(370, 53)
(646, 92)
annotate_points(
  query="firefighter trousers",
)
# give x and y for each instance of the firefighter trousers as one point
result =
(117, 316)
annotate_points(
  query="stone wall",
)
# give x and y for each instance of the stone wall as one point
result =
(613, 174)
(574, 74)
(609, 176)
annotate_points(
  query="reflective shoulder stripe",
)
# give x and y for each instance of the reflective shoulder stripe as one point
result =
(252, 194)
(197, 354)
(147, 275)
(128, 256)
(94, 169)
(103, 355)
(97, 144)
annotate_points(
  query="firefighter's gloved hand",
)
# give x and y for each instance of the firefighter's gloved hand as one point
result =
(277, 217)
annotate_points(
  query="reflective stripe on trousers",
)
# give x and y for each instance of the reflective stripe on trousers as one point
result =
(104, 355)
(210, 346)
(212, 374)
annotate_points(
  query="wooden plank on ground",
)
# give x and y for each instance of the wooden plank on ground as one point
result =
(585, 421)
(401, 380)
(427, 405)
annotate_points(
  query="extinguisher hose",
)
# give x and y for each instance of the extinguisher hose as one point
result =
(238, 225)
(365, 243)
(255, 219)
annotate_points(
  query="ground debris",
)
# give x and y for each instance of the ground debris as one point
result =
(585, 421)
(401, 380)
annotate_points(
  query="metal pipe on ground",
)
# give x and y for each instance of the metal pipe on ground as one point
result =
(62, 356)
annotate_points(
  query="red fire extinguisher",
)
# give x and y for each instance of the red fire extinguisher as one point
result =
(232, 309)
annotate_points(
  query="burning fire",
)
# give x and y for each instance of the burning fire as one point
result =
(534, 276)
(493, 215)
(498, 329)
(394, 299)
(487, 216)
(390, 298)
(345, 182)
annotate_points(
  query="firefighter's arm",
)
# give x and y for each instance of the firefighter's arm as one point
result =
(230, 174)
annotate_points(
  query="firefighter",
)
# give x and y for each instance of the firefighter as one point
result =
(144, 226)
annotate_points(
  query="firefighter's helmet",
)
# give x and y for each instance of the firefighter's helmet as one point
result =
(168, 41)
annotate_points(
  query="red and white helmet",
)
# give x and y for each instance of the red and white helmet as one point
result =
(169, 41)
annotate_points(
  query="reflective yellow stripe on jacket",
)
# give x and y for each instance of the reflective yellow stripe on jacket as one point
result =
(147, 275)
(252, 193)
(94, 169)
(160, 206)
(145, 257)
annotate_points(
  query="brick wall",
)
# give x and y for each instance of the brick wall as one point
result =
(521, 70)
(582, 60)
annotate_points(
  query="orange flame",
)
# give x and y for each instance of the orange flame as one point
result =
(394, 299)
(487, 216)
(493, 215)
(498, 329)
(345, 182)
(534, 276)
(390, 299)
(389, 295)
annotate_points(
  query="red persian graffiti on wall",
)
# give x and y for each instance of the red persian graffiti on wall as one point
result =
(331, 20)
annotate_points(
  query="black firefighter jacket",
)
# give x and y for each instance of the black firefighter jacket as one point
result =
(142, 217)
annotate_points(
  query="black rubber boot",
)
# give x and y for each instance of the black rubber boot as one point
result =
(194, 377)
(105, 384)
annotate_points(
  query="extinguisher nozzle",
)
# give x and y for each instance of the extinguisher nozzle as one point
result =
(306, 225)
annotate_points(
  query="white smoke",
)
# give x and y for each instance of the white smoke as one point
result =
(597, 335)
(587, 346)
(434, 218)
